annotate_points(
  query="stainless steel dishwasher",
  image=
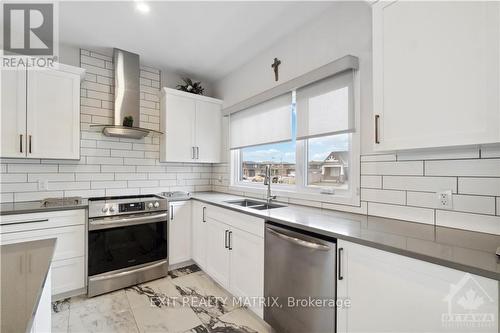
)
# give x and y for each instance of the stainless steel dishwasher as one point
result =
(298, 268)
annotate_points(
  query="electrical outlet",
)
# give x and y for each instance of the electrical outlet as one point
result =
(445, 199)
(43, 185)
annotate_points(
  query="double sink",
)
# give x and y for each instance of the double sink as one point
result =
(254, 204)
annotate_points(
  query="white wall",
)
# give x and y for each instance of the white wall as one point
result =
(401, 186)
(345, 28)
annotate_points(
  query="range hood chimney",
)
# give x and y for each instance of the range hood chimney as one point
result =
(127, 94)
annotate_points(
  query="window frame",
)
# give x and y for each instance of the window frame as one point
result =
(301, 190)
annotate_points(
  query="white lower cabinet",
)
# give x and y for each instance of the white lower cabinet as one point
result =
(179, 239)
(218, 251)
(199, 234)
(230, 246)
(68, 227)
(247, 266)
(393, 293)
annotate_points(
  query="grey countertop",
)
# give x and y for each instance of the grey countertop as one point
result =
(25, 207)
(464, 250)
(25, 267)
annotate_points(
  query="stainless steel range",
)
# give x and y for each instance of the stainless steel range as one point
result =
(127, 241)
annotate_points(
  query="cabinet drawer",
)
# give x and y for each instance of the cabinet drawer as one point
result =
(33, 221)
(70, 240)
(68, 275)
(241, 221)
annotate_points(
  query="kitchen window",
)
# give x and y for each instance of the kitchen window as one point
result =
(308, 137)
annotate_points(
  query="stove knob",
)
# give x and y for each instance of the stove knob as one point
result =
(150, 205)
(105, 209)
(157, 204)
(111, 209)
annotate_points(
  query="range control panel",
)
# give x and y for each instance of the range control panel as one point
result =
(126, 205)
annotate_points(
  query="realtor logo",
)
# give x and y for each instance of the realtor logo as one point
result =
(28, 29)
(469, 306)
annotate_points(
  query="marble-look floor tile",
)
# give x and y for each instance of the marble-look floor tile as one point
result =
(184, 271)
(106, 313)
(245, 321)
(61, 305)
(205, 296)
(60, 321)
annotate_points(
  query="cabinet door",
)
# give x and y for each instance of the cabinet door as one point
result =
(436, 73)
(53, 116)
(393, 293)
(13, 113)
(247, 266)
(199, 236)
(179, 239)
(217, 251)
(208, 132)
(178, 116)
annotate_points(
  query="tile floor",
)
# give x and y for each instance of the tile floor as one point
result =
(187, 300)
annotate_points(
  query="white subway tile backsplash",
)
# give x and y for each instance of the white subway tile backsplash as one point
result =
(378, 158)
(114, 145)
(122, 191)
(79, 168)
(440, 154)
(475, 222)
(383, 196)
(18, 187)
(104, 160)
(32, 196)
(131, 176)
(94, 176)
(69, 185)
(371, 181)
(58, 177)
(414, 214)
(127, 153)
(30, 168)
(479, 186)
(117, 168)
(490, 151)
(393, 168)
(13, 178)
(108, 184)
(424, 184)
(85, 193)
(461, 203)
(143, 183)
(466, 168)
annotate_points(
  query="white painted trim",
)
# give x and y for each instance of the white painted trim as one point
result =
(171, 91)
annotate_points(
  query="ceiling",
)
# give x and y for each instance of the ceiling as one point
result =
(206, 39)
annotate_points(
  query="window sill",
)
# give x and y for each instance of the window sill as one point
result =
(317, 197)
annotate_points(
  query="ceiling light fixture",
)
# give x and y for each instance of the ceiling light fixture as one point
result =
(142, 7)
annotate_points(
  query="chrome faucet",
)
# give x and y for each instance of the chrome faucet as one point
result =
(268, 181)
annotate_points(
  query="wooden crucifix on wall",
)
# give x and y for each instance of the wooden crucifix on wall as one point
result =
(275, 65)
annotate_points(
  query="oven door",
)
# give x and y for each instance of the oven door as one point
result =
(124, 241)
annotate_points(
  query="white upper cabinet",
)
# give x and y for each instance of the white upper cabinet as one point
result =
(41, 113)
(436, 70)
(13, 113)
(192, 127)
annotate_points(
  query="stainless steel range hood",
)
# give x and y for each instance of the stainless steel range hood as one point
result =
(127, 95)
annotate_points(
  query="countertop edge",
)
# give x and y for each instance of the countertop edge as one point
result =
(42, 209)
(40, 290)
(383, 247)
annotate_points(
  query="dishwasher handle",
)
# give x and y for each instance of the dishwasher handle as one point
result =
(298, 241)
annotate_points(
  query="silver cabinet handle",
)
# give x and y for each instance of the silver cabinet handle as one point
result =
(197, 153)
(341, 250)
(225, 239)
(193, 154)
(29, 145)
(171, 212)
(20, 143)
(298, 241)
(203, 215)
(230, 240)
(377, 136)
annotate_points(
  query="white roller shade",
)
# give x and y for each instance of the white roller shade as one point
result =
(326, 107)
(267, 122)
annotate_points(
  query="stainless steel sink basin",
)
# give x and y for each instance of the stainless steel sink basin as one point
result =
(253, 204)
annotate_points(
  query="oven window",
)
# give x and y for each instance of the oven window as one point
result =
(116, 248)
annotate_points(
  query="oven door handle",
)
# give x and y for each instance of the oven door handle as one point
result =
(98, 224)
